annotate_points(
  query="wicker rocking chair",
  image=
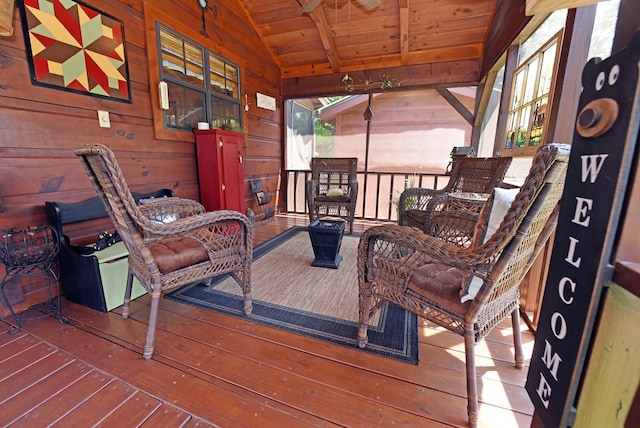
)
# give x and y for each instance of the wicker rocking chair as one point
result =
(171, 241)
(426, 275)
(329, 175)
(469, 175)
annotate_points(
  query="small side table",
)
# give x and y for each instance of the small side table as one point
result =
(31, 252)
(326, 238)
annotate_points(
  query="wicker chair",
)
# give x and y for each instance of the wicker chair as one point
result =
(329, 175)
(468, 175)
(171, 241)
(425, 274)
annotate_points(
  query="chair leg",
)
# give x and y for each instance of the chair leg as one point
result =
(472, 383)
(517, 338)
(151, 330)
(127, 295)
(363, 326)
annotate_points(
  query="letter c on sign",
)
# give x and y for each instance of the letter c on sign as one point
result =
(561, 290)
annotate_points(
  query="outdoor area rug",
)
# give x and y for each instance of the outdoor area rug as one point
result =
(290, 294)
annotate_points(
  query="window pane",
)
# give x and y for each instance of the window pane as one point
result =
(186, 107)
(517, 89)
(511, 130)
(532, 71)
(224, 77)
(554, 23)
(523, 127)
(180, 59)
(546, 73)
(195, 73)
(225, 114)
(539, 115)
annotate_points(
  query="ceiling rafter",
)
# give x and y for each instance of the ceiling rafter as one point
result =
(320, 21)
(404, 32)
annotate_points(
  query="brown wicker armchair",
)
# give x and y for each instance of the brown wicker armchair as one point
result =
(329, 175)
(469, 175)
(171, 241)
(426, 275)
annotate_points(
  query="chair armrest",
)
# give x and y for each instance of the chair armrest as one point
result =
(456, 227)
(311, 188)
(414, 248)
(177, 207)
(415, 198)
(199, 225)
(353, 189)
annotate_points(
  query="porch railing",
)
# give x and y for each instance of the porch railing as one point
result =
(375, 202)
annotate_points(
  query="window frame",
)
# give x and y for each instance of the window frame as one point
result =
(152, 16)
(530, 106)
(200, 67)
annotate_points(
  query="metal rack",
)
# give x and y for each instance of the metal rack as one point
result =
(31, 252)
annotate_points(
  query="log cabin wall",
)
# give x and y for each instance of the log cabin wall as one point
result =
(41, 126)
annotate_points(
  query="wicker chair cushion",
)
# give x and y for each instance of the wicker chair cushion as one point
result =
(490, 218)
(329, 199)
(176, 253)
(440, 284)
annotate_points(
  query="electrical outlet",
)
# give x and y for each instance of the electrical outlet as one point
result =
(103, 119)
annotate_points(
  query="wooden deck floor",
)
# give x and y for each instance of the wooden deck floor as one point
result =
(214, 370)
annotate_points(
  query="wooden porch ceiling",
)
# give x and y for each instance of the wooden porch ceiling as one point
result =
(399, 37)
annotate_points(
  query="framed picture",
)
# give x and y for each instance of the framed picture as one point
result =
(76, 48)
(261, 197)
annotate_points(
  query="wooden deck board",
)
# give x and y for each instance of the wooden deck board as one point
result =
(210, 369)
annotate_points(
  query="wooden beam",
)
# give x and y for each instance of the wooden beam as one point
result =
(320, 21)
(404, 32)
(545, 6)
(574, 54)
(485, 95)
(448, 74)
(627, 25)
(476, 129)
(509, 69)
(457, 105)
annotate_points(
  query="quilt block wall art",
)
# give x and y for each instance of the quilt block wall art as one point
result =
(74, 47)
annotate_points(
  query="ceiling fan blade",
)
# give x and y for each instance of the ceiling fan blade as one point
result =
(369, 4)
(311, 5)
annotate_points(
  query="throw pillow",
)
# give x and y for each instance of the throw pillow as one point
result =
(491, 216)
(333, 192)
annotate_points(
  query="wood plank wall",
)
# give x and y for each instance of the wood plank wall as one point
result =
(420, 122)
(39, 126)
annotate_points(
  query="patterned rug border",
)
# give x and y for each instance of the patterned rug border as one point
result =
(383, 338)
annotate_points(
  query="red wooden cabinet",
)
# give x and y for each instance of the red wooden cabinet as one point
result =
(220, 169)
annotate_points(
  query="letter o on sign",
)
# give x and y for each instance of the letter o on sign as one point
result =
(558, 325)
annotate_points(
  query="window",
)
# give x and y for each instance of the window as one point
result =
(202, 86)
(530, 97)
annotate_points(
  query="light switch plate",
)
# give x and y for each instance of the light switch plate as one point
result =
(103, 118)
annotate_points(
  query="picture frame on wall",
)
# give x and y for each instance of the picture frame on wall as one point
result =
(75, 47)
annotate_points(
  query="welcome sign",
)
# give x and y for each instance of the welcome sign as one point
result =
(601, 159)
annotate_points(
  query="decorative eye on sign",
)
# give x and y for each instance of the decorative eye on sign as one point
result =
(602, 156)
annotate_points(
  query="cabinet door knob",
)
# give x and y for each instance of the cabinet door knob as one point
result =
(240, 159)
(224, 187)
(220, 143)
